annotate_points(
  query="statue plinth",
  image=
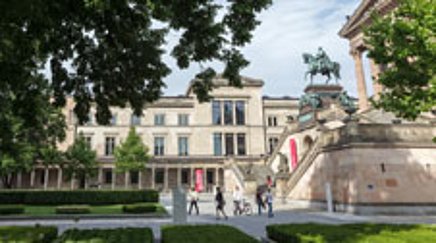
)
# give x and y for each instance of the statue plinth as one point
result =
(323, 89)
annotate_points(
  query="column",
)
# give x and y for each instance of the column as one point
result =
(192, 179)
(179, 177)
(114, 178)
(59, 186)
(166, 178)
(32, 178)
(140, 179)
(217, 176)
(153, 186)
(100, 177)
(126, 179)
(205, 178)
(19, 180)
(360, 76)
(46, 174)
(375, 73)
(72, 181)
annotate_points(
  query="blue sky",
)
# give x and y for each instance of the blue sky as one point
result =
(289, 28)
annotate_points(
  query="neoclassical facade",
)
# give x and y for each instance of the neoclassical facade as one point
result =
(191, 143)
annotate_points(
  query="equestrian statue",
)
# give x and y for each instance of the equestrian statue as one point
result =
(321, 64)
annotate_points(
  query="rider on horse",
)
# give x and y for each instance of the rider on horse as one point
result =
(322, 58)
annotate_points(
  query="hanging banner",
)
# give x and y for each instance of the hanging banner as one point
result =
(293, 153)
(199, 180)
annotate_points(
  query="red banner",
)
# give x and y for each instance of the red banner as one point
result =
(293, 153)
(199, 180)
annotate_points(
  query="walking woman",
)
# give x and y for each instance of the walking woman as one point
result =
(220, 202)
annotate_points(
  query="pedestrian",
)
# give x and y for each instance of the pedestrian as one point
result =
(237, 200)
(193, 197)
(269, 201)
(220, 203)
(259, 201)
(269, 181)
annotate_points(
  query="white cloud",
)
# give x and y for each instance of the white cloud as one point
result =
(289, 28)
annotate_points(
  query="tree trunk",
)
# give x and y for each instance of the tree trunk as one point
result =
(7, 181)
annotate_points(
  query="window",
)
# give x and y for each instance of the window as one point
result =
(240, 112)
(216, 112)
(217, 144)
(108, 177)
(90, 121)
(159, 119)
(272, 144)
(229, 144)
(183, 120)
(209, 177)
(228, 112)
(272, 121)
(109, 146)
(88, 140)
(134, 177)
(183, 146)
(135, 120)
(240, 140)
(159, 146)
(113, 121)
(159, 176)
(185, 176)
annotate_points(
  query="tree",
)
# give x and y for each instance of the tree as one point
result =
(132, 154)
(404, 42)
(81, 160)
(115, 48)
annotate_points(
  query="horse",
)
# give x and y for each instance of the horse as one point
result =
(330, 68)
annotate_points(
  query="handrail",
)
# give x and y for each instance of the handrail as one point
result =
(238, 174)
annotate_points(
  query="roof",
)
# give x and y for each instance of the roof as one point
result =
(220, 81)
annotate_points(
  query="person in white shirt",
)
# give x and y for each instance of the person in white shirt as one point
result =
(237, 200)
(193, 197)
(269, 201)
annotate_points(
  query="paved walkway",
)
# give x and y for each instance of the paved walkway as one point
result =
(253, 225)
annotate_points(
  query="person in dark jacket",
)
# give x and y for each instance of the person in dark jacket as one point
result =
(259, 201)
(220, 202)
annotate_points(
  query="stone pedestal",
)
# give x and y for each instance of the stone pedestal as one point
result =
(250, 187)
(179, 206)
(281, 186)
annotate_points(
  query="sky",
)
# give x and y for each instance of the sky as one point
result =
(288, 29)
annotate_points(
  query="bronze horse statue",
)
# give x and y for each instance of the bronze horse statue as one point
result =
(322, 65)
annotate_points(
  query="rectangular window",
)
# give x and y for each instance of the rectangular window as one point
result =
(159, 176)
(109, 146)
(228, 112)
(241, 144)
(159, 119)
(183, 120)
(185, 176)
(113, 121)
(183, 146)
(229, 144)
(134, 177)
(240, 112)
(135, 120)
(88, 140)
(272, 143)
(216, 112)
(108, 177)
(272, 121)
(159, 146)
(209, 177)
(217, 144)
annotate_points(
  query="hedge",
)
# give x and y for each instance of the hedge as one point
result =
(73, 209)
(119, 235)
(38, 234)
(11, 209)
(204, 233)
(350, 233)
(91, 197)
(140, 208)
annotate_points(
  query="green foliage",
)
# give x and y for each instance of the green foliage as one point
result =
(38, 234)
(114, 48)
(204, 233)
(73, 209)
(132, 154)
(80, 160)
(98, 197)
(404, 42)
(11, 209)
(350, 233)
(119, 235)
(140, 208)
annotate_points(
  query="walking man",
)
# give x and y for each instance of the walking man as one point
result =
(259, 201)
(193, 197)
(269, 201)
(220, 202)
(237, 200)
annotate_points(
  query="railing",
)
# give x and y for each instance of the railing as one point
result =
(238, 174)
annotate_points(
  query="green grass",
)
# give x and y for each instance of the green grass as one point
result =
(95, 210)
(351, 233)
(204, 234)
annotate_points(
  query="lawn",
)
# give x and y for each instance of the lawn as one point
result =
(351, 233)
(31, 210)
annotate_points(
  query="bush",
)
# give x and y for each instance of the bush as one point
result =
(120, 235)
(11, 209)
(91, 197)
(73, 209)
(140, 208)
(350, 233)
(36, 234)
(204, 233)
